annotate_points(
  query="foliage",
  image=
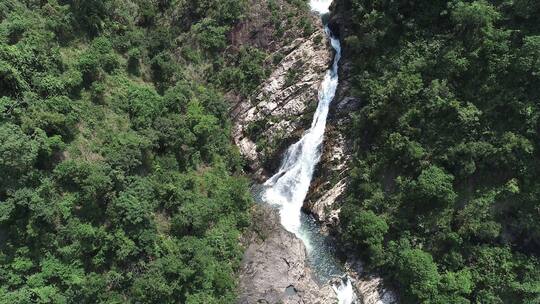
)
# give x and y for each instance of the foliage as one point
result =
(246, 72)
(444, 183)
(365, 230)
(119, 182)
(210, 35)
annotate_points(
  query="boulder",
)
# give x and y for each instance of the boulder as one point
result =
(274, 268)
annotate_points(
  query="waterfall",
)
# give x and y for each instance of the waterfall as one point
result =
(288, 188)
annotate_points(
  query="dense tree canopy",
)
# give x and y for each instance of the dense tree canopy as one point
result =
(445, 178)
(118, 180)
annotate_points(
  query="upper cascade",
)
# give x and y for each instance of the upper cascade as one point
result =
(320, 6)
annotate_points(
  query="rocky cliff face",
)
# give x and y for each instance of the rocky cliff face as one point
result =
(278, 113)
(370, 288)
(274, 268)
(331, 178)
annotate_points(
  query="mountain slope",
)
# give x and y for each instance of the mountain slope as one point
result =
(119, 180)
(443, 198)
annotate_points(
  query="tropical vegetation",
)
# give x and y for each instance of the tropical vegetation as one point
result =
(444, 197)
(118, 179)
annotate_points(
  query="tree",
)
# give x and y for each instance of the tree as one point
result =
(126, 151)
(144, 105)
(225, 12)
(18, 153)
(56, 116)
(210, 35)
(433, 189)
(12, 82)
(418, 273)
(475, 16)
(477, 218)
(90, 14)
(365, 230)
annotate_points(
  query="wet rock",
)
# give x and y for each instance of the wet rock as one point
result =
(331, 178)
(323, 209)
(274, 268)
(326, 193)
(347, 105)
(372, 291)
(369, 287)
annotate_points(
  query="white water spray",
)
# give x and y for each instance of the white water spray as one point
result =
(320, 6)
(289, 186)
(345, 292)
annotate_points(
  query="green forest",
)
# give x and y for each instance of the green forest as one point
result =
(118, 179)
(445, 198)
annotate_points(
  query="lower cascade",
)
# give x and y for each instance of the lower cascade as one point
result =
(288, 188)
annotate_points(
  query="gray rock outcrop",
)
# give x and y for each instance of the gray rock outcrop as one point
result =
(274, 268)
(331, 179)
(369, 288)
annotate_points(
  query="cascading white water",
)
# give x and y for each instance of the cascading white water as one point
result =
(345, 292)
(289, 186)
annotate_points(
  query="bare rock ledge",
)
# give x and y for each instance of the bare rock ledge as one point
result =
(274, 268)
